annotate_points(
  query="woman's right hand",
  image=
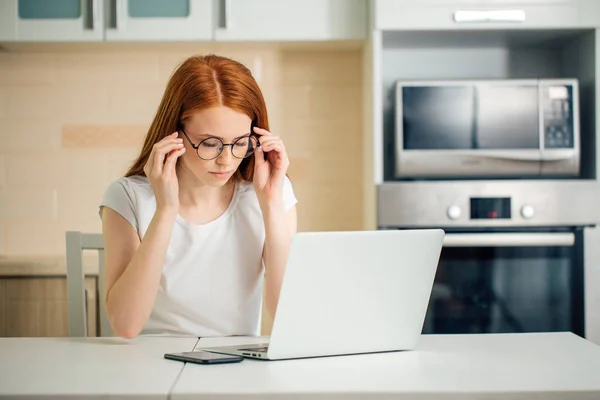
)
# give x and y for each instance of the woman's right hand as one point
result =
(161, 173)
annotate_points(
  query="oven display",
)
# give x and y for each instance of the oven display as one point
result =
(490, 208)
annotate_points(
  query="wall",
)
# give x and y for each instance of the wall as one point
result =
(72, 118)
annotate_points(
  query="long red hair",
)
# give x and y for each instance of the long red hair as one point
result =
(202, 82)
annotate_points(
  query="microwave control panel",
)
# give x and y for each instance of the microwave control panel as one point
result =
(557, 116)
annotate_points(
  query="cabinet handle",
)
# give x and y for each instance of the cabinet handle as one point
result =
(224, 11)
(117, 10)
(91, 12)
(490, 16)
(509, 239)
(112, 14)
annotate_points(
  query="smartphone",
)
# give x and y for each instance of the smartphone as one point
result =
(203, 357)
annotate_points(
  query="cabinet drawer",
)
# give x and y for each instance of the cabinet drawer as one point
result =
(490, 14)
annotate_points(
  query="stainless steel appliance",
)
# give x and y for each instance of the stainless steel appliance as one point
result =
(519, 256)
(487, 128)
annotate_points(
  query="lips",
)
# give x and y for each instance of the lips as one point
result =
(221, 175)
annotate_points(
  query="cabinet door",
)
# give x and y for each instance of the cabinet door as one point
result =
(486, 14)
(291, 20)
(58, 20)
(8, 21)
(37, 307)
(159, 20)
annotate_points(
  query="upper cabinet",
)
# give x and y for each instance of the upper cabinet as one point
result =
(182, 20)
(8, 24)
(159, 20)
(485, 14)
(57, 20)
(271, 20)
(112, 20)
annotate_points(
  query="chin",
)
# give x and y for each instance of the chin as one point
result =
(213, 181)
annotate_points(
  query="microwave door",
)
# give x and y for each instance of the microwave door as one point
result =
(467, 130)
(434, 123)
(437, 117)
(508, 118)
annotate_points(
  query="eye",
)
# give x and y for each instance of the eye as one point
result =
(211, 143)
(242, 142)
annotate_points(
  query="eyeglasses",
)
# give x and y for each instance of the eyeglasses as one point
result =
(212, 147)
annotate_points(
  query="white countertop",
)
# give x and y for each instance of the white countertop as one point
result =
(89, 367)
(544, 366)
(521, 366)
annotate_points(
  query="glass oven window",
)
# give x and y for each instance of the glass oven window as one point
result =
(505, 289)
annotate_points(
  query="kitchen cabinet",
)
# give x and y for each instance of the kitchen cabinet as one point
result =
(182, 20)
(159, 20)
(55, 21)
(37, 306)
(110, 20)
(264, 20)
(485, 14)
(8, 27)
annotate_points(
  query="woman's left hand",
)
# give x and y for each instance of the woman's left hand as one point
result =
(269, 174)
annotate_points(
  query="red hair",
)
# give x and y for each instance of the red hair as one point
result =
(202, 82)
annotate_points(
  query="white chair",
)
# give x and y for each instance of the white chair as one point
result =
(76, 243)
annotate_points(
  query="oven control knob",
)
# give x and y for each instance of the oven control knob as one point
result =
(527, 211)
(453, 212)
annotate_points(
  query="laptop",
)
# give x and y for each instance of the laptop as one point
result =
(350, 292)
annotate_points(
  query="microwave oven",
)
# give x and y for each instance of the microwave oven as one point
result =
(487, 128)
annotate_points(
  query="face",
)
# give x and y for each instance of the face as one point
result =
(225, 124)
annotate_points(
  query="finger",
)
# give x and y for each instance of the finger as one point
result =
(266, 143)
(160, 154)
(261, 131)
(276, 146)
(259, 158)
(268, 139)
(276, 155)
(172, 158)
(150, 162)
(166, 142)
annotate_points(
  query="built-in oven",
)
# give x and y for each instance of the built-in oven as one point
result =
(508, 280)
(518, 256)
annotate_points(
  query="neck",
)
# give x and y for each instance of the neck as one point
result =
(192, 192)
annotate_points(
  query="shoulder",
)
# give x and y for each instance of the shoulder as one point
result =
(128, 196)
(130, 186)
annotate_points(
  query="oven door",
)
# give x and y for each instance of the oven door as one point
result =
(501, 281)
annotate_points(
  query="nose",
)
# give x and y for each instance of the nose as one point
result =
(226, 155)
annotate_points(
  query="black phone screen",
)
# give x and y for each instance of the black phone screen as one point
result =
(203, 357)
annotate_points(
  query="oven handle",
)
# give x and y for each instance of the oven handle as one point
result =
(508, 239)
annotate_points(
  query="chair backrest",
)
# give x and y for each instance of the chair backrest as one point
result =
(76, 243)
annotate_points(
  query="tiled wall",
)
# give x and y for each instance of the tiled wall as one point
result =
(71, 121)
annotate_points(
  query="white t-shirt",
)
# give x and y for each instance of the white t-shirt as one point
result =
(212, 279)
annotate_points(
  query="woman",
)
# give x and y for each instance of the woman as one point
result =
(206, 203)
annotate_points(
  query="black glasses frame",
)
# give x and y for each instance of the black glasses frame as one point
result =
(223, 145)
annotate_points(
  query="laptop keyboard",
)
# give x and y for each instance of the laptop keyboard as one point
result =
(261, 348)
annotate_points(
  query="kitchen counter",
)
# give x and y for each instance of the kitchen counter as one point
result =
(40, 265)
(449, 367)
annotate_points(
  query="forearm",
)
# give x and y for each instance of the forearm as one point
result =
(130, 300)
(277, 247)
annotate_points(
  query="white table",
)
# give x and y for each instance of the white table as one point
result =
(89, 367)
(524, 366)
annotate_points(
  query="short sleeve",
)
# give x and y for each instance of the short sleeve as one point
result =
(289, 197)
(119, 197)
